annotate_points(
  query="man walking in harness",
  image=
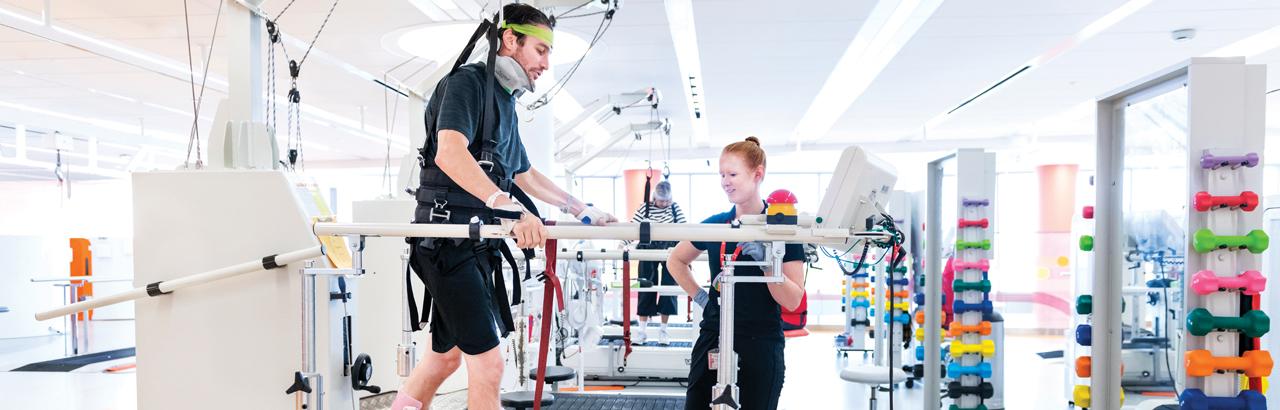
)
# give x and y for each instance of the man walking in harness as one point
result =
(473, 162)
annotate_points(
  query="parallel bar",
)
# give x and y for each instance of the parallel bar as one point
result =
(659, 232)
(180, 283)
(642, 255)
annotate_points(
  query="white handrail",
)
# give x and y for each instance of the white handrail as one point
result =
(183, 282)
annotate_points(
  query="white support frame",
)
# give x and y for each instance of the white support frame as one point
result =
(1225, 114)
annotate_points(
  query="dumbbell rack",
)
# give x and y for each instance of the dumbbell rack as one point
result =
(1083, 331)
(1223, 325)
(972, 288)
(855, 302)
(896, 307)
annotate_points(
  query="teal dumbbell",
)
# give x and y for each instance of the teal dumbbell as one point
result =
(983, 286)
(1084, 304)
(1253, 323)
(1255, 241)
(984, 244)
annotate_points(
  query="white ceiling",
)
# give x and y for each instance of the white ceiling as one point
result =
(762, 64)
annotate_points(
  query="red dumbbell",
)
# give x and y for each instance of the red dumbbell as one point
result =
(1251, 282)
(1253, 363)
(1247, 201)
(1088, 212)
(973, 223)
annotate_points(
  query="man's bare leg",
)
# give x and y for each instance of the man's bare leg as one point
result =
(427, 376)
(484, 374)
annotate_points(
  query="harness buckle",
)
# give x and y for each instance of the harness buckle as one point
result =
(439, 213)
(485, 164)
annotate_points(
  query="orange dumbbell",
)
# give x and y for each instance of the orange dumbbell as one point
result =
(956, 328)
(1253, 363)
(902, 294)
(859, 285)
(1084, 367)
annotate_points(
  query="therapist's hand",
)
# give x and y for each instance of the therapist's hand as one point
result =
(594, 216)
(757, 251)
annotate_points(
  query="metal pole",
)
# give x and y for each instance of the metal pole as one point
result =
(1109, 246)
(619, 231)
(168, 286)
(933, 287)
(727, 361)
(313, 399)
(406, 352)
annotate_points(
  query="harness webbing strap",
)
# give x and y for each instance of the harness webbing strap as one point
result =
(550, 290)
(626, 306)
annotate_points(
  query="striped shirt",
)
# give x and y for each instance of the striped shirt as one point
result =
(670, 214)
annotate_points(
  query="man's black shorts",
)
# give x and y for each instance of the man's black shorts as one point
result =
(458, 277)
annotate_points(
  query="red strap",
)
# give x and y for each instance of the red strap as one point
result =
(551, 288)
(626, 306)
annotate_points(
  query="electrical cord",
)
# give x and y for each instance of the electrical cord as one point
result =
(1168, 367)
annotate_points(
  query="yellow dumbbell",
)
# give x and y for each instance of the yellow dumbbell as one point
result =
(1083, 398)
(987, 348)
(903, 306)
(920, 335)
(860, 294)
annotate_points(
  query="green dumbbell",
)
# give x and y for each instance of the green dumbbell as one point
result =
(1086, 243)
(984, 244)
(1253, 323)
(1084, 304)
(1255, 241)
(900, 269)
(981, 286)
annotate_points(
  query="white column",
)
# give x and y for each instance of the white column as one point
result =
(244, 64)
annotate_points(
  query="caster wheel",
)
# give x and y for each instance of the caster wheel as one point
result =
(622, 369)
(911, 383)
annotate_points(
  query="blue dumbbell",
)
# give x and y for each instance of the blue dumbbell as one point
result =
(899, 282)
(860, 275)
(961, 306)
(920, 299)
(955, 370)
(942, 352)
(860, 302)
(902, 318)
(1195, 399)
(1084, 335)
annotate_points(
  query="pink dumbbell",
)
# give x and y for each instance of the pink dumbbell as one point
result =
(1206, 282)
(981, 265)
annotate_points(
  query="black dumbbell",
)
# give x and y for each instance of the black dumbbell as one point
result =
(984, 390)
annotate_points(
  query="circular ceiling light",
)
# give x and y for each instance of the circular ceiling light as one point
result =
(441, 42)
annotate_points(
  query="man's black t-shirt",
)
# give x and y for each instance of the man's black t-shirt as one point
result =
(755, 311)
(458, 100)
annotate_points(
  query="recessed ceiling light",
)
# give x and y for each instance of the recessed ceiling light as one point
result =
(441, 42)
(1183, 35)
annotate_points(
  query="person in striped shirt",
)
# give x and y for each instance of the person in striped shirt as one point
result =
(660, 210)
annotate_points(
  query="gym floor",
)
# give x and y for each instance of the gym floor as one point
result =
(812, 376)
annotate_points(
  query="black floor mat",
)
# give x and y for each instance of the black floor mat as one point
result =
(75, 362)
(568, 401)
(1052, 354)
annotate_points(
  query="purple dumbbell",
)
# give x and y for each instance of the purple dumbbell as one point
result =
(1210, 161)
(974, 202)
